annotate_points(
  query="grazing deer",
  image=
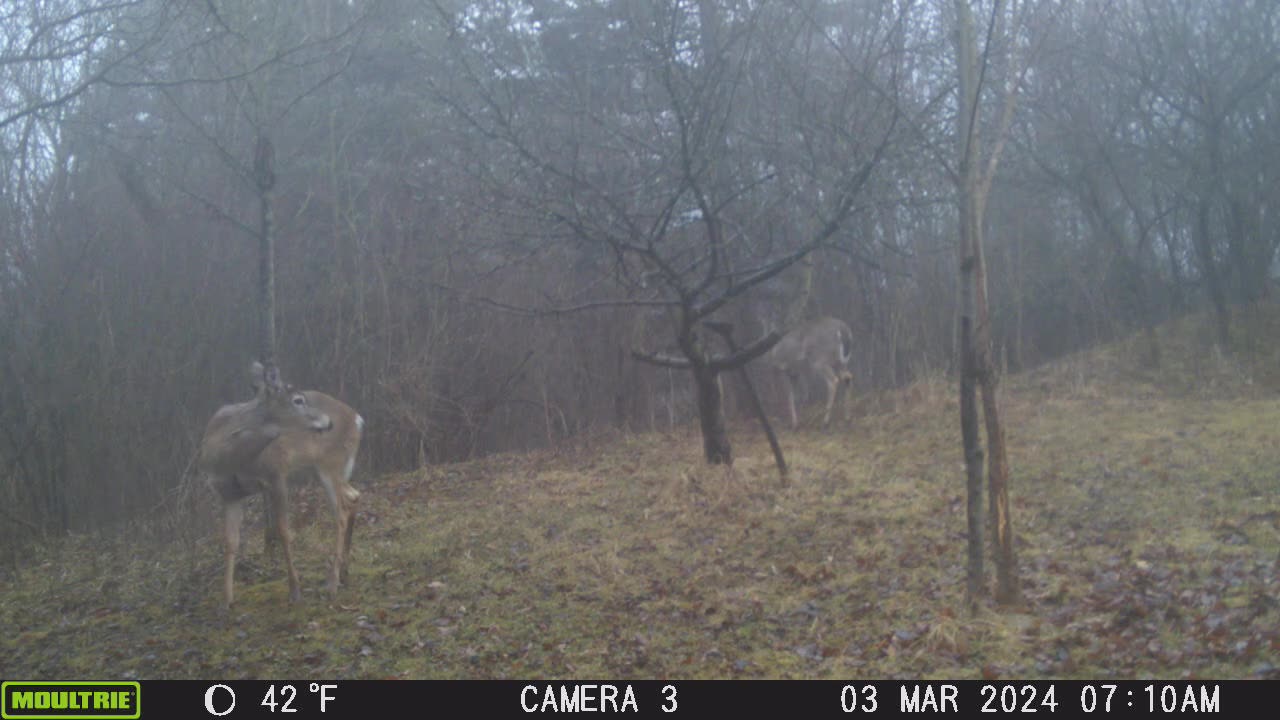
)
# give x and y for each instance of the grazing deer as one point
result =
(254, 446)
(818, 347)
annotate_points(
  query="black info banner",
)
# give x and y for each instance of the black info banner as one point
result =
(367, 699)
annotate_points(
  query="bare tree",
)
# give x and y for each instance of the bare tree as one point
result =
(630, 172)
(973, 177)
(1204, 102)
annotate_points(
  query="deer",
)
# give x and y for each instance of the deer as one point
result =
(253, 447)
(821, 347)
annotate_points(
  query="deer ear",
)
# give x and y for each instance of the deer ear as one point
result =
(266, 379)
(272, 378)
(257, 377)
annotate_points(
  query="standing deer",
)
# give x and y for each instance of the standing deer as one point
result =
(819, 347)
(254, 446)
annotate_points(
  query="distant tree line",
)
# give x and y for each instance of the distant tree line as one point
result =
(488, 215)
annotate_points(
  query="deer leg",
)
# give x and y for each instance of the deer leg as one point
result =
(846, 391)
(833, 385)
(791, 401)
(279, 498)
(353, 498)
(232, 515)
(270, 538)
(342, 499)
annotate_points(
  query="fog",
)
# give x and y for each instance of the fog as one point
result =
(499, 226)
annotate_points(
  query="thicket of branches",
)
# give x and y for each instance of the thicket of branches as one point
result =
(483, 208)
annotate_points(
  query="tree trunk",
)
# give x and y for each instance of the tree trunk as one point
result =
(1147, 303)
(1008, 590)
(968, 180)
(972, 446)
(264, 176)
(621, 388)
(715, 437)
(977, 362)
(1204, 251)
(726, 331)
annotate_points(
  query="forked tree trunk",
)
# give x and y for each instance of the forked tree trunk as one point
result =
(977, 364)
(706, 369)
(1008, 590)
(726, 331)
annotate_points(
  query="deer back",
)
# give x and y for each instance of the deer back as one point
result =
(825, 342)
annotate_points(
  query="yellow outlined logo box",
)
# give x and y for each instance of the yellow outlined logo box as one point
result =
(108, 700)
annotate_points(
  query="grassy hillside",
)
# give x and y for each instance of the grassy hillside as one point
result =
(1147, 506)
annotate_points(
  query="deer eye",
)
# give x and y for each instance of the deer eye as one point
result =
(299, 401)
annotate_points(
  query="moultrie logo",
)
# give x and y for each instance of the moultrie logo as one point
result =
(30, 700)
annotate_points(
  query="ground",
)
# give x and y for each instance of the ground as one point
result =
(1146, 506)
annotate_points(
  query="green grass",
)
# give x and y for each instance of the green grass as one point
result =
(1146, 506)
